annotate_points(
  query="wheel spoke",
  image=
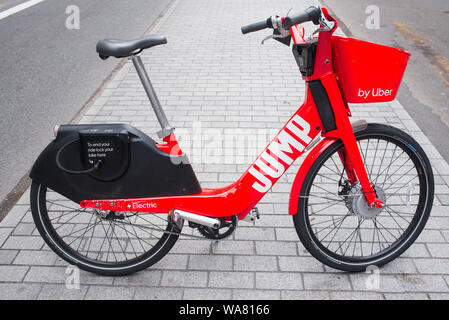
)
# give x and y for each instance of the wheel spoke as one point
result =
(105, 237)
(350, 235)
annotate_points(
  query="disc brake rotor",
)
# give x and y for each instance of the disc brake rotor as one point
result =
(356, 202)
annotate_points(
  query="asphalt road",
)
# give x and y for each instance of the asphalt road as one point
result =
(420, 27)
(48, 72)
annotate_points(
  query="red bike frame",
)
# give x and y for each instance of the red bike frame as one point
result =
(290, 143)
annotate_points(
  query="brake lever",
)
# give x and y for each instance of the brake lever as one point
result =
(273, 36)
(326, 27)
(325, 24)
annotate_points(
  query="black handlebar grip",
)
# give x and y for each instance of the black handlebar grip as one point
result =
(311, 14)
(256, 26)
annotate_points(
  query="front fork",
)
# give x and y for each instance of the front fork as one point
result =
(351, 154)
(355, 168)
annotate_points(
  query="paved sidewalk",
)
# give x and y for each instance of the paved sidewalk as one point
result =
(212, 79)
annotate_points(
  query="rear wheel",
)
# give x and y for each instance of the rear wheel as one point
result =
(104, 242)
(334, 221)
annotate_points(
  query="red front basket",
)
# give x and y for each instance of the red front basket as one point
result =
(367, 72)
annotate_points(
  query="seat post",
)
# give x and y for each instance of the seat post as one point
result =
(167, 129)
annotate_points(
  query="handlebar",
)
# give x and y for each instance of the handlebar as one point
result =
(257, 26)
(311, 14)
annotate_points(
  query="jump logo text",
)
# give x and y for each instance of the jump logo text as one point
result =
(279, 151)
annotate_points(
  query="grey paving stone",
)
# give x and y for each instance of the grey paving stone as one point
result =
(192, 246)
(143, 278)
(255, 263)
(402, 283)
(158, 293)
(425, 283)
(42, 274)
(61, 292)
(432, 266)
(233, 247)
(31, 257)
(23, 242)
(210, 262)
(14, 216)
(439, 296)
(384, 283)
(305, 295)
(279, 280)
(440, 211)
(417, 250)
(25, 198)
(406, 296)
(444, 199)
(7, 256)
(430, 236)
(4, 234)
(231, 279)
(326, 281)
(445, 178)
(109, 293)
(302, 264)
(172, 261)
(87, 278)
(24, 229)
(58, 274)
(286, 234)
(251, 233)
(207, 294)
(438, 250)
(275, 221)
(12, 273)
(276, 248)
(240, 294)
(438, 223)
(355, 295)
(441, 189)
(28, 217)
(445, 234)
(174, 278)
(399, 266)
(19, 291)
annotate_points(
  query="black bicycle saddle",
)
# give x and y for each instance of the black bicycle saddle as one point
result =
(124, 48)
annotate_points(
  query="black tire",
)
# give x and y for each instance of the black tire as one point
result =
(311, 221)
(57, 219)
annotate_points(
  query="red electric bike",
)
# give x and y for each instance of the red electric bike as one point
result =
(109, 199)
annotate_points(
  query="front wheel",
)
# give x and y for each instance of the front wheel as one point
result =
(104, 242)
(334, 222)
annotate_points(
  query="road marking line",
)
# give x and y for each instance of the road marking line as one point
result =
(18, 8)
